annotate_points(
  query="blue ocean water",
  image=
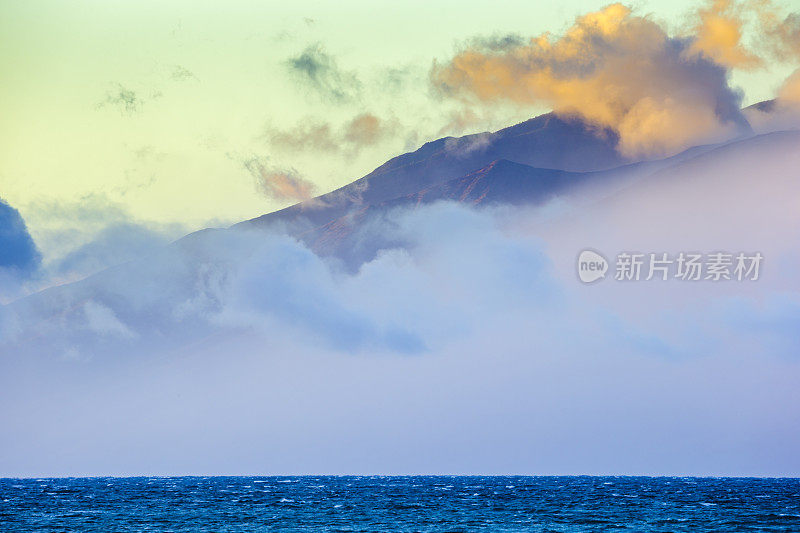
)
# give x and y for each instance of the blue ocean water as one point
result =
(426, 503)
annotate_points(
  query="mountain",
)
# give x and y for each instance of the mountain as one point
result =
(546, 141)
(500, 182)
(525, 164)
(170, 294)
(765, 106)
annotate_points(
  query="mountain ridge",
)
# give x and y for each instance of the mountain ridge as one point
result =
(536, 142)
(326, 229)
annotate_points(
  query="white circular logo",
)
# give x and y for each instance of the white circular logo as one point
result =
(591, 266)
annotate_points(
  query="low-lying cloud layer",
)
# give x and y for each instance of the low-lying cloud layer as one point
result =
(78, 239)
(467, 345)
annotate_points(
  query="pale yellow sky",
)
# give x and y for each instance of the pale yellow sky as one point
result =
(154, 107)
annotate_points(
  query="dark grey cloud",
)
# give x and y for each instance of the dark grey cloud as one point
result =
(128, 101)
(318, 70)
(180, 73)
(17, 249)
(124, 99)
(498, 42)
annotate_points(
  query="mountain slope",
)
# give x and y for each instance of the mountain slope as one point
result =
(505, 182)
(169, 296)
(499, 182)
(546, 141)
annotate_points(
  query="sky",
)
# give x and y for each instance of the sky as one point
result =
(465, 344)
(173, 116)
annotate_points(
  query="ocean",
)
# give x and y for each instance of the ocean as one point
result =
(408, 503)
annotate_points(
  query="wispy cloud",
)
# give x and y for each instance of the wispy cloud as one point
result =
(361, 131)
(319, 71)
(124, 99)
(318, 136)
(783, 37)
(180, 73)
(129, 101)
(83, 237)
(781, 34)
(283, 184)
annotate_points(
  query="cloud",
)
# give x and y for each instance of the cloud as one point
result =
(20, 259)
(180, 73)
(124, 98)
(101, 320)
(444, 269)
(359, 132)
(790, 90)
(128, 101)
(116, 243)
(782, 113)
(317, 136)
(76, 240)
(464, 146)
(303, 291)
(781, 36)
(612, 68)
(234, 350)
(392, 80)
(718, 35)
(94, 233)
(471, 119)
(467, 327)
(280, 183)
(317, 69)
(497, 42)
(364, 130)
(460, 121)
(17, 249)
